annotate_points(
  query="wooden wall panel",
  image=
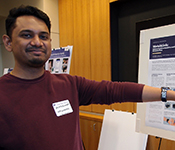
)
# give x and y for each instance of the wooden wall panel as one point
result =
(90, 132)
(129, 107)
(97, 108)
(74, 30)
(81, 50)
(153, 144)
(110, 1)
(85, 24)
(100, 44)
(167, 144)
(100, 40)
(66, 24)
(65, 14)
(86, 108)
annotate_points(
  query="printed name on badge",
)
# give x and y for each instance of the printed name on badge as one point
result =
(62, 108)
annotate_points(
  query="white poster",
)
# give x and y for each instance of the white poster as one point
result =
(7, 70)
(161, 73)
(60, 60)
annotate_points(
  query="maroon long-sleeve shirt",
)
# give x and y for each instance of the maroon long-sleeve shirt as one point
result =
(43, 114)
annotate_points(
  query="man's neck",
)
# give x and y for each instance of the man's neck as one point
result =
(31, 73)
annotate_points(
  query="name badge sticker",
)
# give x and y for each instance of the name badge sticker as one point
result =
(62, 108)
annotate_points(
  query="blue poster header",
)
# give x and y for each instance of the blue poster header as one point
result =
(162, 47)
(60, 52)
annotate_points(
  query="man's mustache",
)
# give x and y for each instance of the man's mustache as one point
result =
(34, 48)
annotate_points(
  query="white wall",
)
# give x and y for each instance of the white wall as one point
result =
(51, 8)
(6, 58)
(6, 5)
(48, 6)
(1, 45)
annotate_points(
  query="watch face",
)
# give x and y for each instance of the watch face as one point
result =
(163, 94)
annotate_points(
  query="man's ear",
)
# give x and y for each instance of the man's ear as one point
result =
(7, 42)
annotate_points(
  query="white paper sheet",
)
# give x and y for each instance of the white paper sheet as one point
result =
(118, 132)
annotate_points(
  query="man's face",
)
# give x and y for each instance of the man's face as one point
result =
(30, 42)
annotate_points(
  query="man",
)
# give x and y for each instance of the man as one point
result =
(39, 110)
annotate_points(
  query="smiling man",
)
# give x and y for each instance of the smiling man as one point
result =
(31, 46)
(40, 110)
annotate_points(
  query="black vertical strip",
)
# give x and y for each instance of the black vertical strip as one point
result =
(114, 42)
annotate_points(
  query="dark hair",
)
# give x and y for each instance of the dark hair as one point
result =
(22, 10)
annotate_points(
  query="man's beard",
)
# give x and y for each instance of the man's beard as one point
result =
(37, 62)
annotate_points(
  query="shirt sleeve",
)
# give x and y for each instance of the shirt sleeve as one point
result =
(108, 92)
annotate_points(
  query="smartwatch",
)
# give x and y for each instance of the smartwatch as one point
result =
(164, 93)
